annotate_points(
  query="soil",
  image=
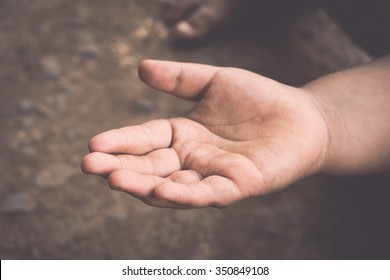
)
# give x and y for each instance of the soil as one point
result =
(69, 71)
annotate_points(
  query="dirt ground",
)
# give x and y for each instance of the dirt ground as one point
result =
(69, 70)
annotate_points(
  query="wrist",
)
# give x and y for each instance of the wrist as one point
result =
(354, 106)
(327, 121)
(335, 133)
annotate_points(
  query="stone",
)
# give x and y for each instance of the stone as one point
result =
(21, 202)
(89, 49)
(51, 66)
(67, 87)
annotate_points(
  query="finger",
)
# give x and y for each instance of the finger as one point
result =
(185, 176)
(136, 140)
(99, 164)
(215, 191)
(141, 187)
(163, 204)
(204, 19)
(162, 162)
(209, 160)
(186, 80)
(136, 184)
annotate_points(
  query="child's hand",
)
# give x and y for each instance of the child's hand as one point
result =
(246, 136)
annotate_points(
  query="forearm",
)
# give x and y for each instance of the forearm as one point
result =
(355, 105)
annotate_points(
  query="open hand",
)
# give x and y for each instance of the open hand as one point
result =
(246, 136)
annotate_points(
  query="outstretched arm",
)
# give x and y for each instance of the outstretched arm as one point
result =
(355, 104)
(247, 135)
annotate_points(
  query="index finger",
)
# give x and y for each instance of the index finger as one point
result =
(136, 140)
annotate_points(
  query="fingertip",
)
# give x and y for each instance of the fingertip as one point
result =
(156, 74)
(144, 65)
(131, 182)
(117, 179)
(99, 163)
(100, 143)
(93, 144)
(185, 80)
(160, 193)
(86, 163)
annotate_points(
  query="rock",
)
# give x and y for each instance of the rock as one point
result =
(87, 44)
(89, 49)
(18, 203)
(64, 86)
(51, 66)
(55, 175)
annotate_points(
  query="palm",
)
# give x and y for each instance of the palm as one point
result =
(247, 135)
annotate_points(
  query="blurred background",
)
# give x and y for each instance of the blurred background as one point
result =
(69, 71)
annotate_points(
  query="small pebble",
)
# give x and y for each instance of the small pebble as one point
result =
(67, 87)
(89, 49)
(51, 66)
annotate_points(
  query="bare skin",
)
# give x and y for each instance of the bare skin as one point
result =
(247, 135)
(356, 106)
(194, 19)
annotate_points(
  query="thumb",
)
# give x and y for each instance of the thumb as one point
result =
(185, 80)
